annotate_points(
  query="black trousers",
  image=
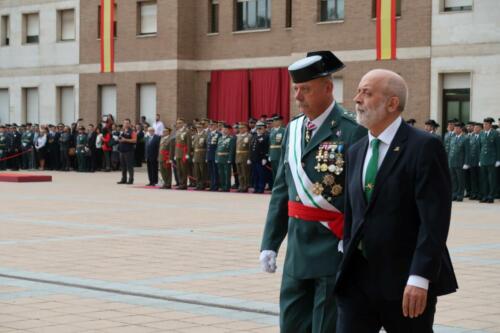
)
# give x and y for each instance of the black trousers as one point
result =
(363, 309)
(152, 171)
(127, 165)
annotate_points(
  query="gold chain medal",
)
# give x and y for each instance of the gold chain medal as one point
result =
(337, 190)
(317, 189)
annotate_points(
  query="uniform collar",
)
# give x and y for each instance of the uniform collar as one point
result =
(322, 117)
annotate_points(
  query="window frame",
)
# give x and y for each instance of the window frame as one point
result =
(288, 14)
(5, 30)
(60, 24)
(139, 18)
(26, 38)
(320, 12)
(451, 10)
(374, 9)
(213, 24)
(240, 27)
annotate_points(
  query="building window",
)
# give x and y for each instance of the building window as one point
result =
(456, 97)
(99, 18)
(214, 16)
(457, 5)
(147, 11)
(5, 31)
(31, 24)
(4, 106)
(331, 10)
(147, 102)
(253, 14)
(66, 25)
(288, 22)
(374, 8)
(66, 105)
(107, 100)
(31, 105)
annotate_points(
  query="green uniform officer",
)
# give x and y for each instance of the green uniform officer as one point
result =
(82, 150)
(167, 149)
(449, 134)
(472, 162)
(275, 139)
(199, 154)
(489, 158)
(459, 146)
(182, 153)
(311, 172)
(226, 145)
(242, 158)
(3, 147)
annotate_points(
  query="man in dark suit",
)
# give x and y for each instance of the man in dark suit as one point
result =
(397, 216)
(152, 149)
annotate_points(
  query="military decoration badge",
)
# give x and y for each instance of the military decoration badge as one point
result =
(330, 160)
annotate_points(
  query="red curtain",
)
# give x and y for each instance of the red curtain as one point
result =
(229, 96)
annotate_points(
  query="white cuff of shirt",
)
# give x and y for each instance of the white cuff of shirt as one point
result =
(418, 281)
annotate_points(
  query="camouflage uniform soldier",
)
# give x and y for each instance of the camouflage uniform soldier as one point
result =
(275, 138)
(199, 153)
(242, 160)
(223, 157)
(182, 149)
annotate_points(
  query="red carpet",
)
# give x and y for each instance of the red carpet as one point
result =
(23, 178)
(190, 189)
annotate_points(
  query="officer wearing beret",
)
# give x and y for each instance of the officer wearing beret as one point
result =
(308, 198)
(276, 136)
(489, 159)
(224, 157)
(459, 146)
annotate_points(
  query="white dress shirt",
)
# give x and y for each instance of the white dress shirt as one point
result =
(386, 138)
(318, 121)
(159, 127)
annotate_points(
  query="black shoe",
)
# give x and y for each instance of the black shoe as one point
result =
(130, 181)
(122, 182)
(166, 187)
(483, 200)
(149, 184)
(491, 201)
(459, 200)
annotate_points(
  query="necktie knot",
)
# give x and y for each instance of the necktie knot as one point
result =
(375, 143)
(310, 126)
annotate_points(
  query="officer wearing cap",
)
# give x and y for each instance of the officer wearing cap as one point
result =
(449, 134)
(489, 158)
(472, 161)
(212, 139)
(308, 198)
(459, 146)
(276, 136)
(224, 157)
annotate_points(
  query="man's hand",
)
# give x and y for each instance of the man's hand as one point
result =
(414, 301)
(267, 260)
(264, 162)
(497, 164)
(466, 167)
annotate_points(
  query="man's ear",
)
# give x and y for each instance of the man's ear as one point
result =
(393, 104)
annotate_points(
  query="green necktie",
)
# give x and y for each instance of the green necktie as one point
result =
(371, 170)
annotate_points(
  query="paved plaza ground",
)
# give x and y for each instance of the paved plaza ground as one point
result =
(82, 254)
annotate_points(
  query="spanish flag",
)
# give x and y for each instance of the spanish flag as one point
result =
(386, 29)
(107, 36)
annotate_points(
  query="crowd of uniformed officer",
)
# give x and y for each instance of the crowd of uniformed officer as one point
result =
(473, 157)
(205, 154)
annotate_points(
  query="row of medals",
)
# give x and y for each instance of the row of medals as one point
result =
(329, 159)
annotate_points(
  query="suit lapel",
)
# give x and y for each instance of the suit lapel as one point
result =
(324, 132)
(395, 151)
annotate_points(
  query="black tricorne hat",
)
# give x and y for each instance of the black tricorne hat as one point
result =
(315, 65)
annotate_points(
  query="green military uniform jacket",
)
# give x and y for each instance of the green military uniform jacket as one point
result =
(472, 158)
(447, 140)
(81, 143)
(459, 148)
(225, 149)
(275, 139)
(199, 147)
(312, 249)
(183, 144)
(3, 144)
(490, 148)
(243, 147)
(27, 139)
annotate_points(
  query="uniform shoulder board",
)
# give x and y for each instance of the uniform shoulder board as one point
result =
(351, 116)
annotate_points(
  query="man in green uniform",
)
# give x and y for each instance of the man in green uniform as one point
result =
(242, 159)
(449, 134)
(308, 198)
(472, 162)
(167, 148)
(82, 150)
(275, 138)
(182, 149)
(199, 153)
(459, 146)
(489, 158)
(224, 157)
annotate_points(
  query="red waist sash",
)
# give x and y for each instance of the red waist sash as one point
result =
(334, 220)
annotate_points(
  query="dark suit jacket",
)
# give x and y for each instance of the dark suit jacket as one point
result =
(405, 226)
(152, 148)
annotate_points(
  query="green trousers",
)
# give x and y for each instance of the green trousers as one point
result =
(274, 167)
(458, 182)
(243, 170)
(182, 171)
(307, 305)
(200, 173)
(166, 173)
(474, 182)
(488, 181)
(224, 176)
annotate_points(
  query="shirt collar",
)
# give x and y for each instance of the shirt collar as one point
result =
(389, 133)
(322, 117)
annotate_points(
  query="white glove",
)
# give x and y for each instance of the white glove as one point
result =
(497, 164)
(264, 162)
(466, 167)
(479, 164)
(340, 247)
(249, 162)
(187, 157)
(267, 260)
